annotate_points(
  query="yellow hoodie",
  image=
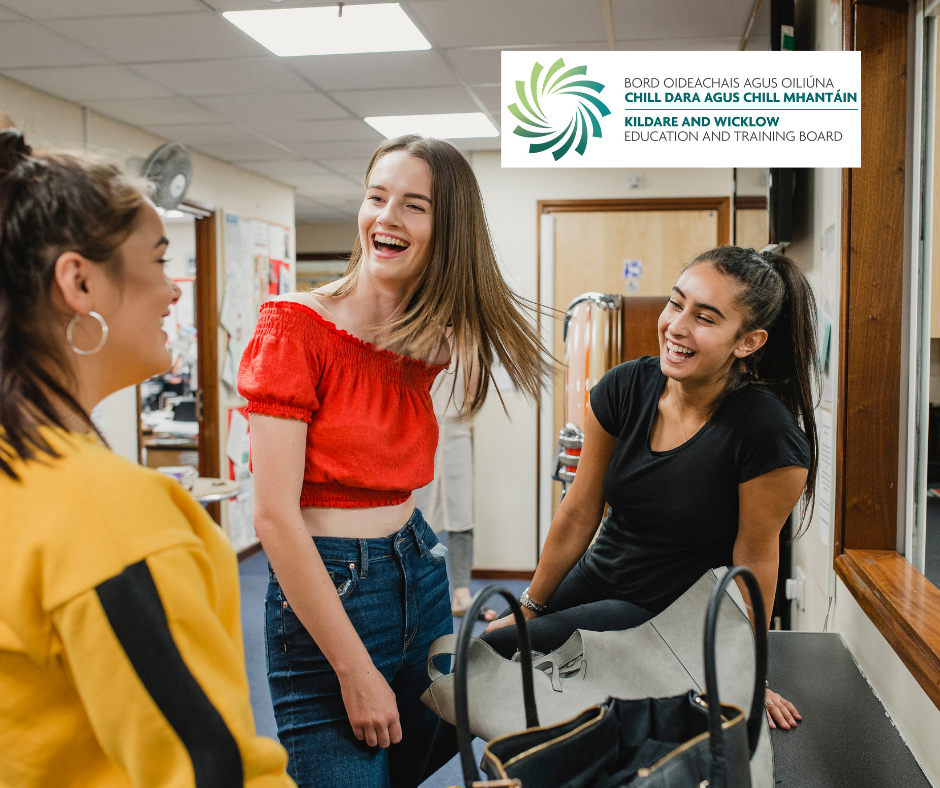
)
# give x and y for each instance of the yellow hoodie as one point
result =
(121, 658)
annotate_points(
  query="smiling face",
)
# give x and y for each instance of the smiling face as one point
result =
(395, 220)
(133, 304)
(700, 327)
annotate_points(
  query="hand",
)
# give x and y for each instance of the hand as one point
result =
(780, 711)
(371, 707)
(508, 621)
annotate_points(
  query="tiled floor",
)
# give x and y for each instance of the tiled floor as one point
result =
(254, 581)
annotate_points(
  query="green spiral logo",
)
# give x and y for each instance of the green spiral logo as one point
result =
(536, 124)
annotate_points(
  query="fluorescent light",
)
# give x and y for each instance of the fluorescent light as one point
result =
(455, 125)
(293, 32)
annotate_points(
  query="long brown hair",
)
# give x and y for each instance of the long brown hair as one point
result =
(462, 292)
(51, 202)
(775, 296)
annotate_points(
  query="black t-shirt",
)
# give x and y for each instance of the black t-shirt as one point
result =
(674, 514)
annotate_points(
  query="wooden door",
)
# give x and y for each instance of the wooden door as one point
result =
(617, 249)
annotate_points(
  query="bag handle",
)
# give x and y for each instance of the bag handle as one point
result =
(755, 719)
(464, 738)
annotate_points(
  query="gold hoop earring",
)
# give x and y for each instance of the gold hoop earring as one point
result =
(96, 348)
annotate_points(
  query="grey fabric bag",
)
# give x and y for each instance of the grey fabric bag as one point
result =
(661, 658)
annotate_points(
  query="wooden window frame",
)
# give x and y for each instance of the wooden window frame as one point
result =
(902, 604)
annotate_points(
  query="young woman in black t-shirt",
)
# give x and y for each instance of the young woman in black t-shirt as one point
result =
(702, 454)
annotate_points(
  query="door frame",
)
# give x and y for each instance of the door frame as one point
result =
(207, 343)
(207, 364)
(721, 205)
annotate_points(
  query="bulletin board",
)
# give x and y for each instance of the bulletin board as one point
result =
(258, 264)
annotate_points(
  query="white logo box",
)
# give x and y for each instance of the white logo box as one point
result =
(681, 109)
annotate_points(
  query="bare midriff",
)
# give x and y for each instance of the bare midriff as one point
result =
(365, 523)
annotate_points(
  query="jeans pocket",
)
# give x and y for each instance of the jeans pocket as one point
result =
(432, 549)
(345, 578)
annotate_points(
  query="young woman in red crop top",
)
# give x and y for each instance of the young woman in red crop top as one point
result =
(342, 431)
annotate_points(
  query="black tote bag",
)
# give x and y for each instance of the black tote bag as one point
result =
(686, 741)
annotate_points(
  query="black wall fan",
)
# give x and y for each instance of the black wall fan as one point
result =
(170, 169)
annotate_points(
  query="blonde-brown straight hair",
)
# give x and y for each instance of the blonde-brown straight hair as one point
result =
(462, 292)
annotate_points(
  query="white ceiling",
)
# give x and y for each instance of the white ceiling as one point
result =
(177, 68)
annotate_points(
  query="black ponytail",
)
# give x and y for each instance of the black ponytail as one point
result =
(50, 202)
(775, 296)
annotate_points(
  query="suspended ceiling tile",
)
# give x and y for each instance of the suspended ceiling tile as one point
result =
(292, 131)
(337, 150)
(327, 183)
(252, 151)
(205, 133)
(477, 143)
(348, 195)
(248, 5)
(150, 112)
(351, 168)
(89, 83)
(640, 19)
(406, 101)
(28, 44)
(470, 23)
(759, 43)
(278, 169)
(483, 66)
(491, 96)
(263, 107)
(64, 9)
(224, 77)
(160, 37)
(375, 70)
(476, 66)
(720, 44)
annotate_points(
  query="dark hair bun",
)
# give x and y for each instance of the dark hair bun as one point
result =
(13, 149)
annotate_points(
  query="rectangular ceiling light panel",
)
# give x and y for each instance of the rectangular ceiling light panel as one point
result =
(295, 32)
(451, 126)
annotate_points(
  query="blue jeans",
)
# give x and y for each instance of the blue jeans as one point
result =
(395, 593)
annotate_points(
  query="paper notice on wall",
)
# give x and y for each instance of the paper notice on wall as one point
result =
(229, 372)
(239, 305)
(826, 370)
(277, 243)
(237, 446)
(830, 273)
(260, 238)
(241, 511)
(824, 476)
(231, 237)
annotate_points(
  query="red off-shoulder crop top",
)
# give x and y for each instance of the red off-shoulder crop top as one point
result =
(372, 432)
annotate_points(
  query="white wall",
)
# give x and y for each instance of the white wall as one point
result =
(181, 233)
(505, 466)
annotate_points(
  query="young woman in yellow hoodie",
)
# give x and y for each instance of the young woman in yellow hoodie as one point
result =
(121, 659)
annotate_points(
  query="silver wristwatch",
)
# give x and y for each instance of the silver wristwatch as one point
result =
(526, 601)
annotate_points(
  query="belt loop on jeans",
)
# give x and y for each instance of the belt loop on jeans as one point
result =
(364, 558)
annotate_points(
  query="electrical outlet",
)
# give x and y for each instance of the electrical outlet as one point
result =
(796, 588)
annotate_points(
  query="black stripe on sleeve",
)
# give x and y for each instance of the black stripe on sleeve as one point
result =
(133, 607)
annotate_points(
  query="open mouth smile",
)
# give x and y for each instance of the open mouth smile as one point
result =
(678, 354)
(388, 245)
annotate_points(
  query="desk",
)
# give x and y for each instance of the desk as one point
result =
(208, 490)
(171, 451)
(845, 739)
